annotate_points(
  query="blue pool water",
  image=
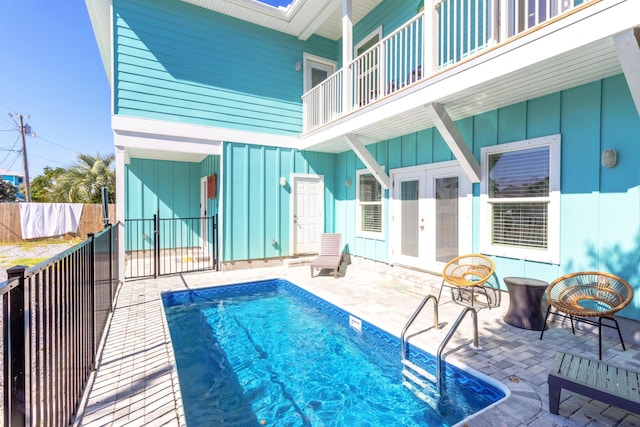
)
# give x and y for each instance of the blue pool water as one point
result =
(270, 353)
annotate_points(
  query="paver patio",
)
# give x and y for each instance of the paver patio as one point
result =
(136, 382)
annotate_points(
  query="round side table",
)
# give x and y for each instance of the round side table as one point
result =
(525, 302)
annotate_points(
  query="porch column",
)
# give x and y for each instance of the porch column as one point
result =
(121, 160)
(628, 49)
(455, 141)
(370, 163)
(347, 53)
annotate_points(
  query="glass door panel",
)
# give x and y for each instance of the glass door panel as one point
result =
(409, 222)
(407, 234)
(447, 218)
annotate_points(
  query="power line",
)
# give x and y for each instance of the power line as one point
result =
(11, 110)
(13, 162)
(48, 159)
(10, 150)
(57, 145)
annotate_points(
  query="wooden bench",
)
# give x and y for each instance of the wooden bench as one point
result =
(592, 378)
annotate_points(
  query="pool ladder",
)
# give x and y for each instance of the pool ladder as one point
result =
(414, 377)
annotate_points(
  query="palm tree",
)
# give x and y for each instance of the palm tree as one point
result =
(82, 182)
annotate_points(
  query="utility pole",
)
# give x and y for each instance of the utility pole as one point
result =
(27, 186)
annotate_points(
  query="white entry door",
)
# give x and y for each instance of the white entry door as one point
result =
(307, 213)
(431, 216)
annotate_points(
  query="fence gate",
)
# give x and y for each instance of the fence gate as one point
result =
(159, 246)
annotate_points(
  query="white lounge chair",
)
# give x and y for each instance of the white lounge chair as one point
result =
(330, 255)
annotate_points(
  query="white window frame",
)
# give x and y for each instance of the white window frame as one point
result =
(367, 38)
(369, 234)
(312, 61)
(552, 253)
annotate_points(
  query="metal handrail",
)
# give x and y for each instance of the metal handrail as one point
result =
(415, 314)
(474, 346)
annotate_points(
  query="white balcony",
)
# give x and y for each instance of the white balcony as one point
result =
(437, 40)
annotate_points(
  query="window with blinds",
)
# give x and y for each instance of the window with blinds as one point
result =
(369, 205)
(520, 212)
(519, 197)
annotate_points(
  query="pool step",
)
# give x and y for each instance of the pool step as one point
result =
(420, 382)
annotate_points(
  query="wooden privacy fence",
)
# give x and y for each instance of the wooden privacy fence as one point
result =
(90, 222)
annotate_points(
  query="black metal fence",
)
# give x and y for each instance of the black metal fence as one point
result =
(162, 246)
(53, 317)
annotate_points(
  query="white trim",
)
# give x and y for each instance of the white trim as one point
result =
(465, 208)
(292, 178)
(552, 254)
(220, 205)
(367, 38)
(163, 130)
(329, 9)
(120, 160)
(454, 140)
(368, 160)
(308, 61)
(628, 51)
(368, 234)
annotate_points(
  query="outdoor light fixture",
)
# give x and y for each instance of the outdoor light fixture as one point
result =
(298, 66)
(348, 182)
(283, 181)
(609, 158)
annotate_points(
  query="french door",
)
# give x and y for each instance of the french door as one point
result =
(431, 216)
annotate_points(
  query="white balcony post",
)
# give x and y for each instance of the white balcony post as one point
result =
(503, 20)
(430, 20)
(493, 18)
(347, 54)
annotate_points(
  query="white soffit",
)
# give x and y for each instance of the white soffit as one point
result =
(295, 19)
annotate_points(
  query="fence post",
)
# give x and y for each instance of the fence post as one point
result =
(214, 226)
(156, 244)
(18, 339)
(92, 296)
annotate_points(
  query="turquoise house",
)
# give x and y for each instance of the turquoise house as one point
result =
(14, 178)
(504, 127)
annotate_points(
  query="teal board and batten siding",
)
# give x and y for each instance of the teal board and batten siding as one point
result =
(256, 219)
(178, 62)
(168, 188)
(600, 207)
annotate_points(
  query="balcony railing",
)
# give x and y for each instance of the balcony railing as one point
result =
(435, 39)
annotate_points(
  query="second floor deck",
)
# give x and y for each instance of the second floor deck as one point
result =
(471, 56)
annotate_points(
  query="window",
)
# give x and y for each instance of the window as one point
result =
(366, 70)
(369, 205)
(520, 199)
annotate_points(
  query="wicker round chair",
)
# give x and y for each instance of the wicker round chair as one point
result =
(465, 275)
(586, 295)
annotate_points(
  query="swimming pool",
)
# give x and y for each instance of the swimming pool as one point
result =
(270, 353)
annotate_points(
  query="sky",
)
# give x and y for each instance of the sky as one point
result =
(277, 3)
(52, 74)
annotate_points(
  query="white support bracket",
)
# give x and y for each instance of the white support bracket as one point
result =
(454, 140)
(365, 156)
(628, 50)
